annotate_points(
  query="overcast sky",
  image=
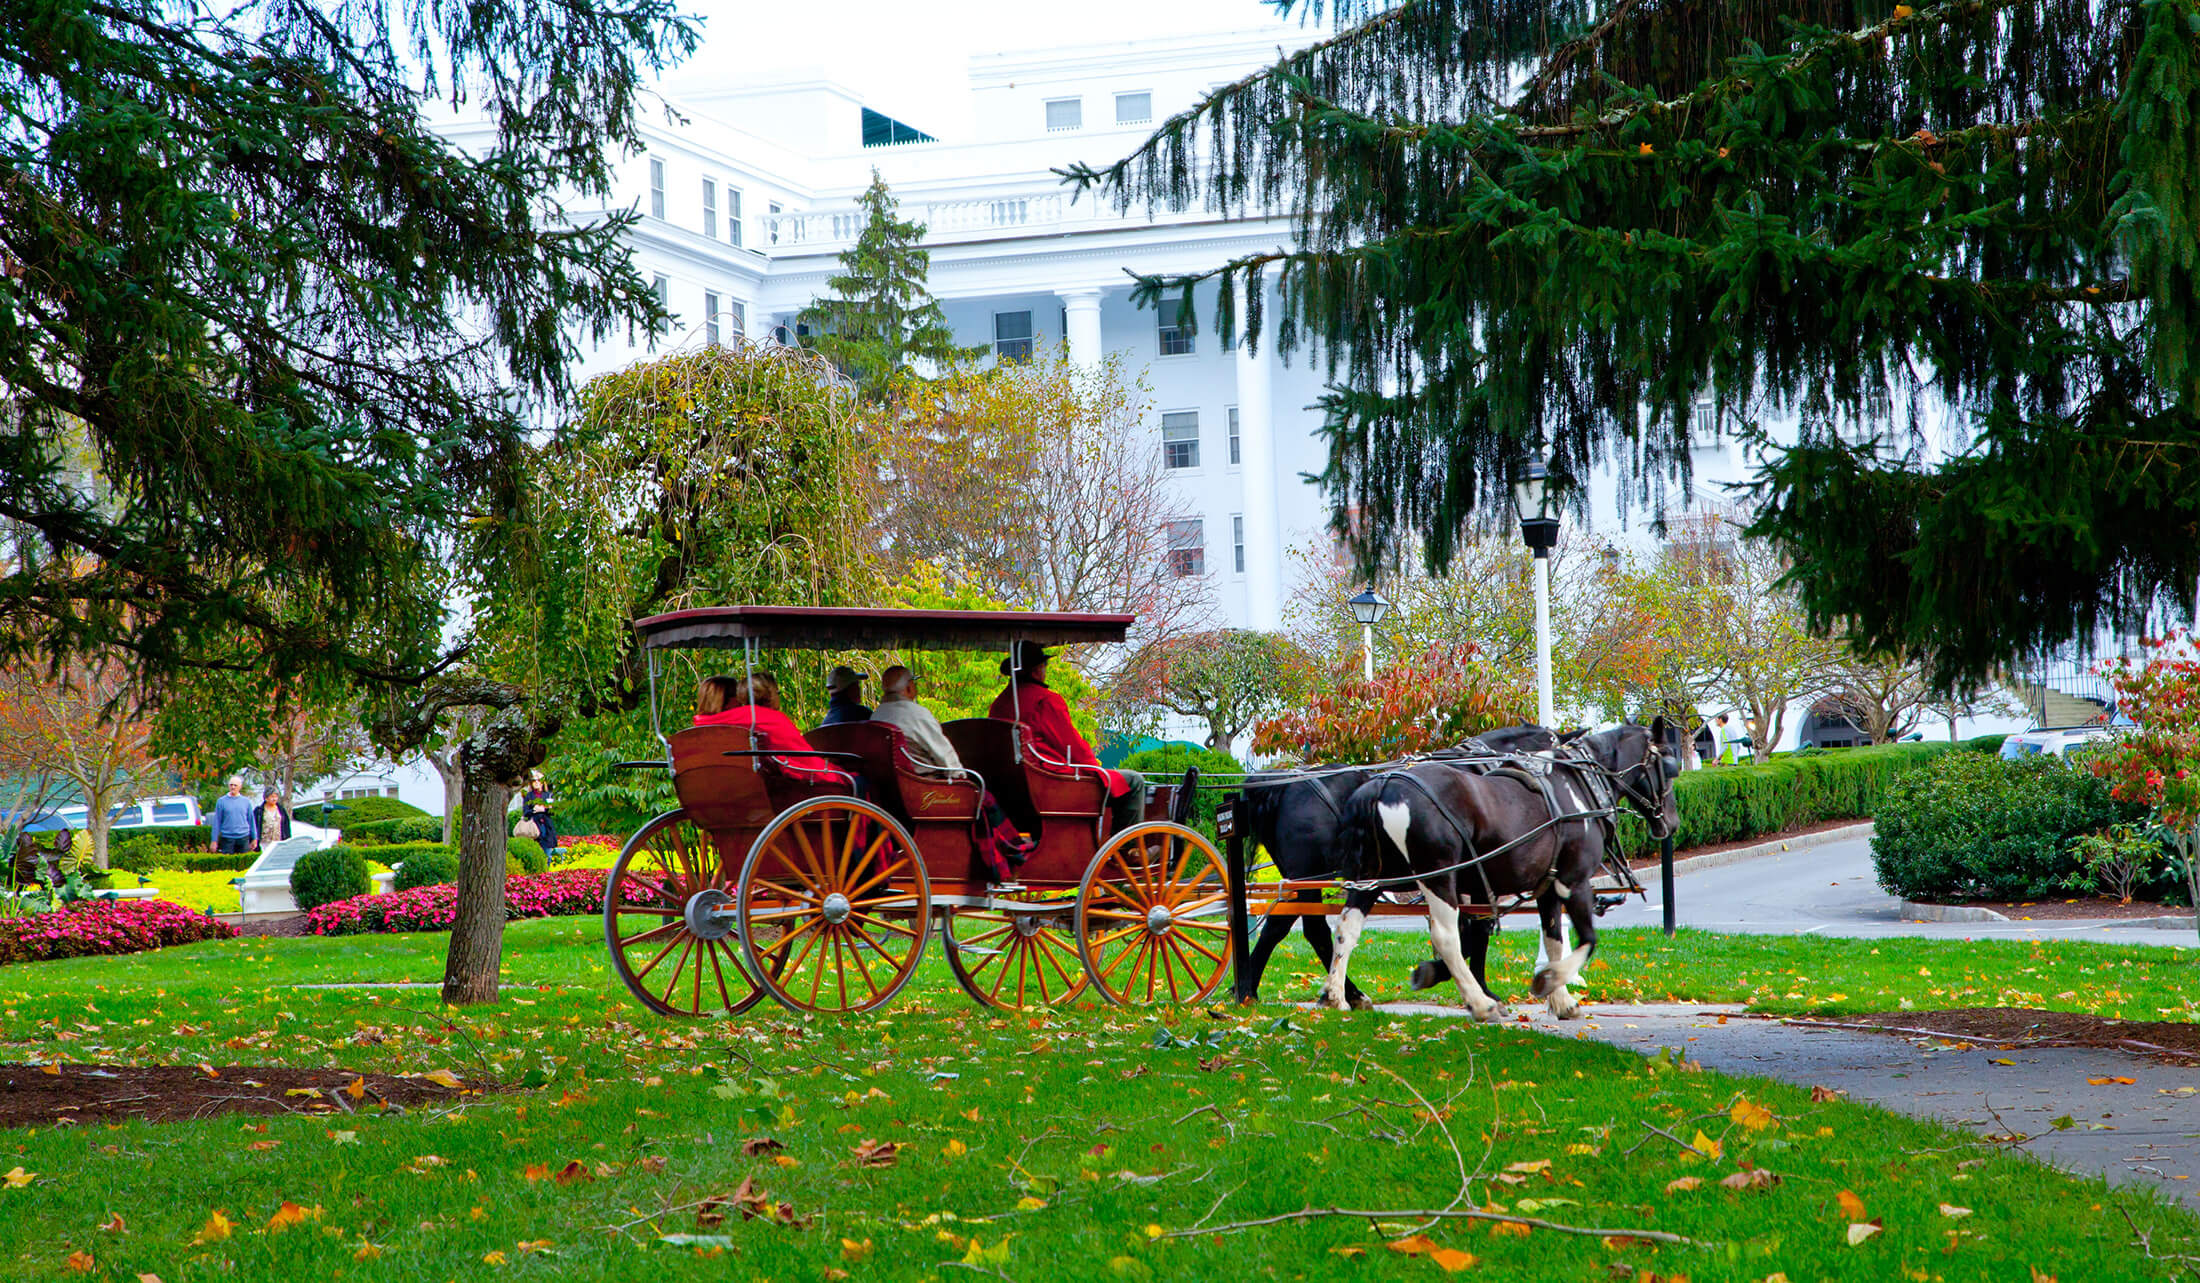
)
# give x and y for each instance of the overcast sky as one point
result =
(909, 58)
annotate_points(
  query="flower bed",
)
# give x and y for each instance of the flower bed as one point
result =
(561, 893)
(97, 928)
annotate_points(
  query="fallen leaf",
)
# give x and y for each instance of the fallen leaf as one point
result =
(538, 1171)
(51, 1071)
(786, 1160)
(367, 1252)
(1684, 1184)
(1861, 1230)
(78, 1263)
(572, 1172)
(1752, 1116)
(1508, 1229)
(442, 1078)
(1705, 1145)
(855, 1252)
(1950, 1210)
(287, 1215)
(17, 1178)
(262, 1146)
(1755, 1178)
(148, 1278)
(2001, 1060)
(1451, 1260)
(1417, 1245)
(1348, 1251)
(217, 1228)
(114, 1224)
(2038, 1276)
(1029, 1204)
(1531, 1167)
(357, 1089)
(1822, 1095)
(535, 1245)
(653, 1164)
(954, 1149)
(755, 1145)
(1852, 1207)
(492, 1258)
(344, 1138)
(873, 1153)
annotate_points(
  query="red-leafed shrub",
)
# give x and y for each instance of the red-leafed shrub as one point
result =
(560, 893)
(1434, 700)
(93, 928)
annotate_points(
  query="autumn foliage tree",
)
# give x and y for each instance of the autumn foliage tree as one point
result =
(1229, 678)
(84, 722)
(2157, 762)
(1431, 700)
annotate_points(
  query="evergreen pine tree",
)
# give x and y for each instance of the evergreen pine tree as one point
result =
(1520, 223)
(880, 315)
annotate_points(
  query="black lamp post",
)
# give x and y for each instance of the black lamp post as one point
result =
(1535, 498)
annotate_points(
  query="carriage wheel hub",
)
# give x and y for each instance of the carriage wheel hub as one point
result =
(837, 908)
(707, 915)
(1159, 919)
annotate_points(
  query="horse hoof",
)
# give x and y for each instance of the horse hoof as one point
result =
(1361, 1002)
(1429, 975)
(1544, 984)
(1571, 1011)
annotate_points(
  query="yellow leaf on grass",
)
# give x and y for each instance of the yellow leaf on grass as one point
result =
(1451, 1259)
(17, 1178)
(1417, 1245)
(367, 1252)
(1752, 1116)
(1531, 1167)
(289, 1214)
(148, 1278)
(534, 1245)
(538, 1171)
(1852, 1207)
(1508, 1229)
(492, 1258)
(954, 1149)
(1706, 1146)
(1953, 1212)
(851, 1250)
(1685, 1183)
(217, 1228)
(1348, 1251)
(442, 1078)
(1029, 1204)
(1154, 1231)
(114, 1224)
(1861, 1230)
(79, 1263)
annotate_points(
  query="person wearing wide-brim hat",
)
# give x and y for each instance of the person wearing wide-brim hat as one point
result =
(1053, 737)
(845, 687)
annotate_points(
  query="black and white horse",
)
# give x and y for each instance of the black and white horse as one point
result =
(1468, 838)
(1298, 817)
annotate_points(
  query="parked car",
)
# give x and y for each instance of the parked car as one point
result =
(2055, 743)
(36, 821)
(146, 813)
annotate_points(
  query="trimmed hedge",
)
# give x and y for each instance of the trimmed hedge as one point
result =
(327, 875)
(1167, 764)
(351, 812)
(1731, 803)
(426, 868)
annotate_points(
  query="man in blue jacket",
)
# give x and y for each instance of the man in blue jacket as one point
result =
(236, 821)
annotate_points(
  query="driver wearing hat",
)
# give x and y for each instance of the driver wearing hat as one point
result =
(1045, 717)
(845, 686)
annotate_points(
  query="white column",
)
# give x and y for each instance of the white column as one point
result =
(1082, 309)
(1545, 715)
(1257, 473)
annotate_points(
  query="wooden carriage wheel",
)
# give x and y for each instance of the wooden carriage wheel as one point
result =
(1153, 916)
(1017, 958)
(665, 919)
(832, 906)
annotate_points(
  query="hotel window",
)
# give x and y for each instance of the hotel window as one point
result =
(733, 215)
(771, 221)
(1133, 109)
(1703, 424)
(656, 188)
(1187, 548)
(1237, 543)
(710, 317)
(1180, 439)
(661, 286)
(1232, 413)
(737, 318)
(710, 208)
(1065, 113)
(1012, 336)
(1176, 340)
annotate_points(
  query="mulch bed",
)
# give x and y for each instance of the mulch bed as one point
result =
(2018, 1027)
(290, 924)
(33, 1096)
(2058, 910)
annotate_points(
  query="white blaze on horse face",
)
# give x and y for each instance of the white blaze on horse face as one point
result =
(1443, 933)
(1348, 935)
(1396, 820)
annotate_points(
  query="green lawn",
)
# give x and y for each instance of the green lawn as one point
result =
(1063, 1146)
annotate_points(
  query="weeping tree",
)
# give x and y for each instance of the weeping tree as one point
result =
(722, 476)
(1548, 226)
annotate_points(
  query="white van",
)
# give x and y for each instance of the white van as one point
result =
(147, 813)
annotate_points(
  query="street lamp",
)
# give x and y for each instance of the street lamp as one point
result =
(1535, 497)
(1369, 607)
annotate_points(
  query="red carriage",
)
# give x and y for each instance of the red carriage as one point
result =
(761, 883)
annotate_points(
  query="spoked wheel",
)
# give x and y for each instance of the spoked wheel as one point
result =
(1017, 953)
(1153, 916)
(667, 919)
(832, 906)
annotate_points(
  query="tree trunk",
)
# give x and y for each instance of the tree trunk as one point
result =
(453, 776)
(96, 824)
(477, 935)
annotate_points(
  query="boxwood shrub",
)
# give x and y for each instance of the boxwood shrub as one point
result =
(1975, 827)
(1166, 765)
(427, 867)
(355, 811)
(524, 855)
(328, 875)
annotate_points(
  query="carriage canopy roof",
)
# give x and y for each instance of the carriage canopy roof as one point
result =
(831, 628)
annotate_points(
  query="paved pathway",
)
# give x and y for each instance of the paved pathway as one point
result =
(2140, 1133)
(1831, 890)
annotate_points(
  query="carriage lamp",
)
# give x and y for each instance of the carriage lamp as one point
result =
(1369, 607)
(1535, 497)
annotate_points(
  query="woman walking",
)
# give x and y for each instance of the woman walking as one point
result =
(274, 819)
(535, 807)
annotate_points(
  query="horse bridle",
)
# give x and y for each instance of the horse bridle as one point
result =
(1648, 795)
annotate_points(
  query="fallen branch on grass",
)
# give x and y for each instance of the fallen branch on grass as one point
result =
(1432, 1213)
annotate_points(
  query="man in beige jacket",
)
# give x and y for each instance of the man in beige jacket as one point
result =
(920, 731)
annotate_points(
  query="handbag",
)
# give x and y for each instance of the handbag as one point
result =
(527, 829)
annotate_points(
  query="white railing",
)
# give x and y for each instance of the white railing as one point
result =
(814, 230)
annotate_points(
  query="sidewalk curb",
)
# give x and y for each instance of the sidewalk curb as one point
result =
(1914, 912)
(1778, 846)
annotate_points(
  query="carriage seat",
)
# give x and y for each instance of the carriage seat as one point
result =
(721, 792)
(898, 782)
(1031, 789)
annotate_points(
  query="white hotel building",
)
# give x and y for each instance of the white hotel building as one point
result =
(748, 202)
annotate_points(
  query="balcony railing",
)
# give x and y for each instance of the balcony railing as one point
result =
(831, 229)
